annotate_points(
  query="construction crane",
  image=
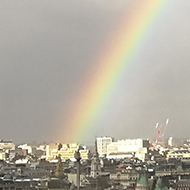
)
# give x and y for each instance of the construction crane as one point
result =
(159, 132)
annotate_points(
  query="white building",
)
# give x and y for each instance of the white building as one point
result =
(52, 147)
(128, 148)
(112, 148)
(130, 145)
(7, 145)
(141, 153)
(102, 143)
(170, 141)
(27, 147)
(2, 155)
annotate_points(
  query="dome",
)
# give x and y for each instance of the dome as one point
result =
(160, 185)
(142, 183)
(142, 179)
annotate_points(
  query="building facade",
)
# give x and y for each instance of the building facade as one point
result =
(7, 145)
(65, 151)
(102, 143)
(128, 148)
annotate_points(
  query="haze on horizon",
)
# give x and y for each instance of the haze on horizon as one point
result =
(48, 47)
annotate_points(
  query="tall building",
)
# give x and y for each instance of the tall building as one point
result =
(102, 143)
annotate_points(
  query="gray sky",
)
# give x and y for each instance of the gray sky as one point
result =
(48, 47)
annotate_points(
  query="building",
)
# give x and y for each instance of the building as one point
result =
(7, 145)
(112, 148)
(102, 143)
(170, 141)
(65, 151)
(132, 145)
(2, 155)
(125, 175)
(49, 149)
(185, 154)
(128, 148)
(142, 153)
(183, 184)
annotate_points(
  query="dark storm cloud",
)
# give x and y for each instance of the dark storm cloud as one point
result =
(47, 47)
(156, 85)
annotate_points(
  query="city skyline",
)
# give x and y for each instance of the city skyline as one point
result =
(49, 50)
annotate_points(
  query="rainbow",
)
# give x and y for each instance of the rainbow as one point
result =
(114, 59)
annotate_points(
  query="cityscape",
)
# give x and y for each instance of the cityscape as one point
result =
(94, 95)
(109, 164)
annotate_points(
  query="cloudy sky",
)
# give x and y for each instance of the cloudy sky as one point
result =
(48, 48)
